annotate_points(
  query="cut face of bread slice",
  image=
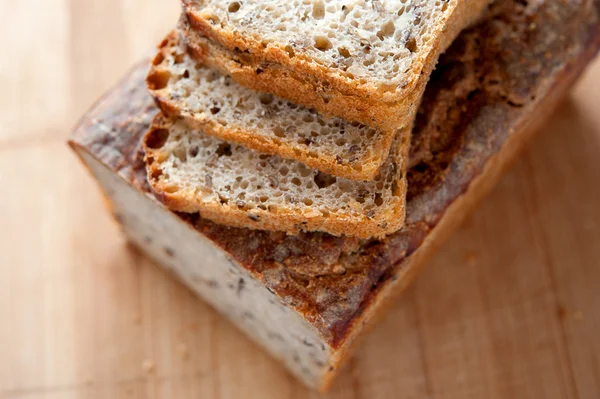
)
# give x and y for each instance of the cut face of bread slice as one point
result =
(232, 185)
(222, 108)
(363, 60)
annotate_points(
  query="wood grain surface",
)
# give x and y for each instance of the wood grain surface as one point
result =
(510, 308)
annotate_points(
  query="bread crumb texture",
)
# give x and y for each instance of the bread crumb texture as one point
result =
(259, 120)
(374, 41)
(206, 173)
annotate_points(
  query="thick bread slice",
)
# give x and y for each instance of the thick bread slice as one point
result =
(222, 108)
(365, 61)
(232, 185)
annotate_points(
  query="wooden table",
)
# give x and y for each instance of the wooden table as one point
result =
(510, 308)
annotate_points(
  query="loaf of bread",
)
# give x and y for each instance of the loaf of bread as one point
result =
(308, 299)
(365, 61)
(191, 172)
(215, 104)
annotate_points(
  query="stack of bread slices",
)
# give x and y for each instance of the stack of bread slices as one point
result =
(296, 115)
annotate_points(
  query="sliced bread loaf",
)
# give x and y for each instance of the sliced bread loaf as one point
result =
(220, 107)
(363, 60)
(230, 184)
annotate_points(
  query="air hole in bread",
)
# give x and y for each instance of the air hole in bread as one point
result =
(157, 138)
(194, 151)
(322, 43)
(179, 58)
(344, 52)
(211, 77)
(265, 98)
(387, 30)
(180, 154)
(304, 170)
(323, 180)
(411, 45)
(158, 79)
(156, 174)
(224, 149)
(290, 51)
(318, 11)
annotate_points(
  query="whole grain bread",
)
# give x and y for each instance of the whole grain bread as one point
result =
(364, 61)
(182, 86)
(191, 172)
(496, 83)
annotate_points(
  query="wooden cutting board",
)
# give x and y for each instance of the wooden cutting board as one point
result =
(510, 308)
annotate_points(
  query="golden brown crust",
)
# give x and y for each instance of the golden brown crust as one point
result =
(362, 167)
(336, 93)
(287, 219)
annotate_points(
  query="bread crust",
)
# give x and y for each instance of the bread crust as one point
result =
(328, 90)
(363, 167)
(452, 218)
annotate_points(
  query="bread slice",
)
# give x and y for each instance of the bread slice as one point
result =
(224, 109)
(230, 184)
(363, 60)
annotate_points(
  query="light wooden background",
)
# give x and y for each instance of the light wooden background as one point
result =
(509, 309)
